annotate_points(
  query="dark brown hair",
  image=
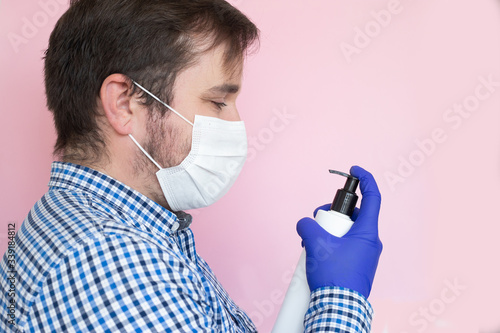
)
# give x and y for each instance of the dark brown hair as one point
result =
(150, 41)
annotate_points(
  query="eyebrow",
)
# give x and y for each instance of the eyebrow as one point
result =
(225, 88)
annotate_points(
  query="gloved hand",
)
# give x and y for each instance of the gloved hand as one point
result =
(350, 261)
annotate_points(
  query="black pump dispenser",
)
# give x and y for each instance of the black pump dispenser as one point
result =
(346, 198)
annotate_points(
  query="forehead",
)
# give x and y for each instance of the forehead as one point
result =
(210, 69)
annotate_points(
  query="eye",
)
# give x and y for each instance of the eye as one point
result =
(219, 105)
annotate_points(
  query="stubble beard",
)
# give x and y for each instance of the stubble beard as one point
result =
(168, 146)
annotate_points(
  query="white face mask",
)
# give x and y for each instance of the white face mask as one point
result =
(218, 152)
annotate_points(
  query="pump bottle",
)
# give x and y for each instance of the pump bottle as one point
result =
(337, 221)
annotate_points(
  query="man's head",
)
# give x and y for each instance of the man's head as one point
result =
(188, 53)
(149, 41)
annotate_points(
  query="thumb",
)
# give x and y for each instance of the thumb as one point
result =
(323, 207)
(308, 229)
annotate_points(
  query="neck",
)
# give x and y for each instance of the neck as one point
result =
(139, 175)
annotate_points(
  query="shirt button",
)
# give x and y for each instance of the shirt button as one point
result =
(175, 226)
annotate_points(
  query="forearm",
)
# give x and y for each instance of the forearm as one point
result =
(336, 309)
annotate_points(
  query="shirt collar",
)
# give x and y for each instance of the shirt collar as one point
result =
(139, 207)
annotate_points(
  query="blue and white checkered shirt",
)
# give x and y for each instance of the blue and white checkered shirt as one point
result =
(94, 255)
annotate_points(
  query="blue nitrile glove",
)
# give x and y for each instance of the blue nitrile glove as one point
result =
(350, 261)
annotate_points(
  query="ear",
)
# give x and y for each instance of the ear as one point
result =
(116, 103)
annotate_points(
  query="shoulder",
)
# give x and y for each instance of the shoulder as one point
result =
(121, 275)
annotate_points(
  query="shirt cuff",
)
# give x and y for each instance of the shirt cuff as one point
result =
(338, 308)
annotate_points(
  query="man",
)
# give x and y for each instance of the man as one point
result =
(143, 96)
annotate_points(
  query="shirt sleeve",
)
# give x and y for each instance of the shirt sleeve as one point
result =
(336, 309)
(115, 283)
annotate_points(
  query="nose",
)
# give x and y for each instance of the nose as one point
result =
(235, 115)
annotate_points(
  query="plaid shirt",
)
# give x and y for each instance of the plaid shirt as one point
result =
(94, 255)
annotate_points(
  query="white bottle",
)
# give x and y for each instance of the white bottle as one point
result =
(337, 222)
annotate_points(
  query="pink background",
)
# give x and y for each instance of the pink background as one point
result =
(377, 108)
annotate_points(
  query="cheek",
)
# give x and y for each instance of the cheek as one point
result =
(208, 109)
(176, 144)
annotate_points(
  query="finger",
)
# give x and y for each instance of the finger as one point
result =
(355, 214)
(370, 202)
(324, 207)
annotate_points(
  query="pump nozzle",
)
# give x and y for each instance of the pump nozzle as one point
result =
(346, 198)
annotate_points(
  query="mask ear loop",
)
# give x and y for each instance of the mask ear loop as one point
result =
(165, 104)
(145, 152)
